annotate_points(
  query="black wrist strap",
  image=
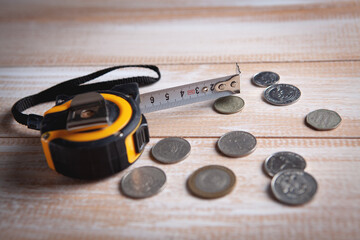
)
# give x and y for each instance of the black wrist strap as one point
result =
(73, 87)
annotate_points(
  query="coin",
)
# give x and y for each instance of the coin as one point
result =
(229, 104)
(171, 150)
(143, 182)
(265, 79)
(293, 186)
(323, 119)
(283, 160)
(282, 94)
(211, 181)
(237, 144)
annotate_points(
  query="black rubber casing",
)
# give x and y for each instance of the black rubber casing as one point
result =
(103, 157)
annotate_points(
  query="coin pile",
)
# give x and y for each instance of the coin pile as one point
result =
(276, 94)
(282, 94)
(290, 183)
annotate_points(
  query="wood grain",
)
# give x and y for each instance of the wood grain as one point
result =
(79, 33)
(37, 203)
(311, 44)
(333, 85)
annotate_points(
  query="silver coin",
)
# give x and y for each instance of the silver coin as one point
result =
(171, 150)
(283, 160)
(229, 104)
(237, 144)
(143, 182)
(282, 94)
(265, 79)
(323, 119)
(293, 186)
(211, 181)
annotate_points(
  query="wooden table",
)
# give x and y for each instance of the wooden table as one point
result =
(314, 45)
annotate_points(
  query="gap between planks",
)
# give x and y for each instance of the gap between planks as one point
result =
(183, 64)
(209, 137)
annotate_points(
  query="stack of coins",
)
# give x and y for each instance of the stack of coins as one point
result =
(276, 94)
(290, 183)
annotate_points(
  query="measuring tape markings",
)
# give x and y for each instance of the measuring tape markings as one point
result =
(182, 95)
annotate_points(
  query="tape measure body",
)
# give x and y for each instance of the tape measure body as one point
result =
(81, 145)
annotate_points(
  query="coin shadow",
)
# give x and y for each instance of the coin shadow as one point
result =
(270, 193)
(190, 192)
(253, 84)
(152, 157)
(264, 100)
(264, 170)
(6, 123)
(218, 150)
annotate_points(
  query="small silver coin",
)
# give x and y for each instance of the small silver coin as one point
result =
(283, 160)
(323, 119)
(143, 182)
(229, 104)
(282, 94)
(293, 187)
(237, 144)
(265, 79)
(211, 181)
(171, 150)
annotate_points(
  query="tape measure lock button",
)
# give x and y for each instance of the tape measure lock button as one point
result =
(141, 137)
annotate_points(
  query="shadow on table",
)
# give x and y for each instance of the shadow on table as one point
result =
(29, 170)
(24, 170)
(8, 127)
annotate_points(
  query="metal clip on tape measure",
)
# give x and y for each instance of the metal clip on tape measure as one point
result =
(94, 130)
(98, 129)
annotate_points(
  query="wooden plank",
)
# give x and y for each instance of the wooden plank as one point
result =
(83, 33)
(36, 203)
(332, 85)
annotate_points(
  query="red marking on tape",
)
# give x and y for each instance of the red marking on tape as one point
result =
(191, 92)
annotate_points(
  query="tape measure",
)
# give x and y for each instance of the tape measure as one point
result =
(96, 130)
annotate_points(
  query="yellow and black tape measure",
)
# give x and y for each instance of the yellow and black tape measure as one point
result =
(101, 136)
(95, 133)
(96, 130)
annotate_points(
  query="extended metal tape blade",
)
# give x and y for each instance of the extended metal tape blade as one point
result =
(190, 93)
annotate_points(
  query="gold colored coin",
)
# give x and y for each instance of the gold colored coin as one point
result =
(211, 181)
(229, 104)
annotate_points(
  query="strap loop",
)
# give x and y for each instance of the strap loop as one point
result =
(73, 87)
